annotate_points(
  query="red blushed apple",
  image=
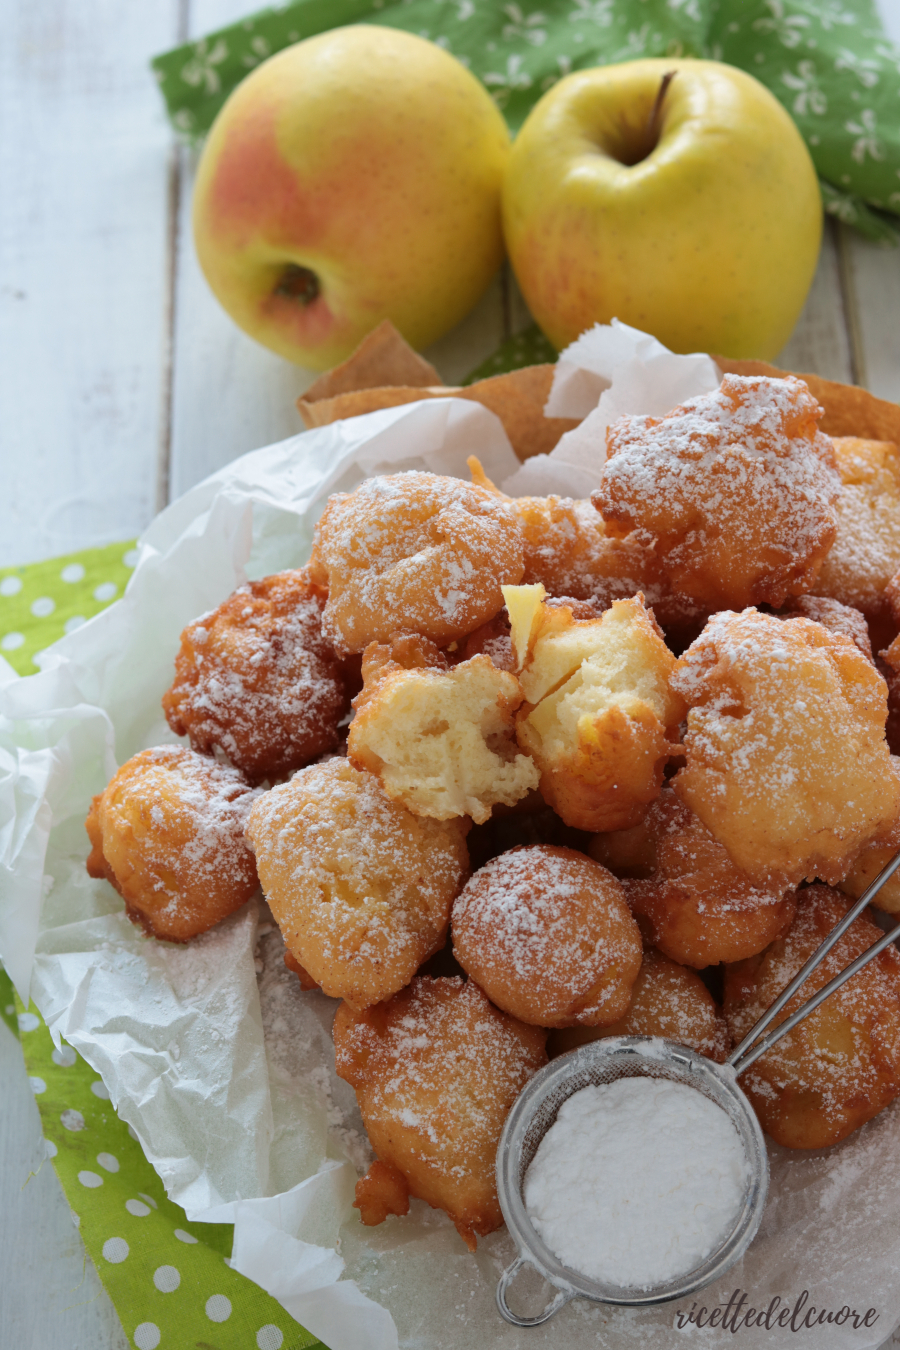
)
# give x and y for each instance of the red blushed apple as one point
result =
(351, 178)
(675, 195)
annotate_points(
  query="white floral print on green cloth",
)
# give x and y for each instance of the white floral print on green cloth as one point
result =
(170, 1280)
(827, 61)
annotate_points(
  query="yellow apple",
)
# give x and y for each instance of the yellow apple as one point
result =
(687, 207)
(353, 177)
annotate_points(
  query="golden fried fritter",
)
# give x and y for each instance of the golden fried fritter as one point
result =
(382, 1191)
(256, 678)
(873, 858)
(436, 1070)
(695, 905)
(833, 615)
(360, 888)
(441, 739)
(599, 719)
(667, 1000)
(888, 663)
(168, 833)
(547, 935)
(570, 552)
(787, 762)
(414, 552)
(733, 490)
(841, 1065)
(866, 552)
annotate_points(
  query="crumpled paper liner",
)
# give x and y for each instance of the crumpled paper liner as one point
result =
(385, 372)
(222, 1066)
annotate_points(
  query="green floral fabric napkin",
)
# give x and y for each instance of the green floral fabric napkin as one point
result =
(828, 61)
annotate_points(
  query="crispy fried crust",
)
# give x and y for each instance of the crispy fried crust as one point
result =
(734, 491)
(667, 1000)
(695, 905)
(866, 552)
(787, 763)
(256, 679)
(546, 932)
(168, 833)
(360, 888)
(436, 1070)
(382, 1191)
(841, 1065)
(833, 615)
(413, 552)
(568, 550)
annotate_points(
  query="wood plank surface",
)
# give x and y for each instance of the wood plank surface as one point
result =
(51, 1297)
(84, 159)
(122, 383)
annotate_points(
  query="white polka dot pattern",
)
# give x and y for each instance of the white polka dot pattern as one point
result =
(146, 1336)
(167, 1279)
(270, 1337)
(218, 1308)
(115, 1250)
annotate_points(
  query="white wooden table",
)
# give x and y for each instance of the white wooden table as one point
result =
(122, 383)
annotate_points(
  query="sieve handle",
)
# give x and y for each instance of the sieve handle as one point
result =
(747, 1052)
(506, 1279)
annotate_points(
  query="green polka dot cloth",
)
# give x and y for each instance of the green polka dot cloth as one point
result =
(41, 602)
(827, 61)
(169, 1279)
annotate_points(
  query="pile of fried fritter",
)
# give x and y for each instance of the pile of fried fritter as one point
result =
(633, 753)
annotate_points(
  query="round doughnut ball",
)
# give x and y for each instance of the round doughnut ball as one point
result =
(840, 1066)
(256, 678)
(667, 1000)
(414, 552)
(547, 933)
(360, 887)
(168, 833)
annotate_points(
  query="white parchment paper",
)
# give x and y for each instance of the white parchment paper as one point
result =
(213, 1054)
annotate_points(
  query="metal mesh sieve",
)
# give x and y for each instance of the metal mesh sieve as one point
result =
(535, 1111)
(651, 1057)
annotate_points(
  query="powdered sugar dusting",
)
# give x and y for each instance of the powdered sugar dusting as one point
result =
(734, 490)
(257, 680)
(543, 929)
(415, 551)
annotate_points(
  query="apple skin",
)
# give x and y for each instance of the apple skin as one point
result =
(709, 243)
(375, 160)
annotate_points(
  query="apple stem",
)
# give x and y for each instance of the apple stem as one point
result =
(298, 283)
(656, 112)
